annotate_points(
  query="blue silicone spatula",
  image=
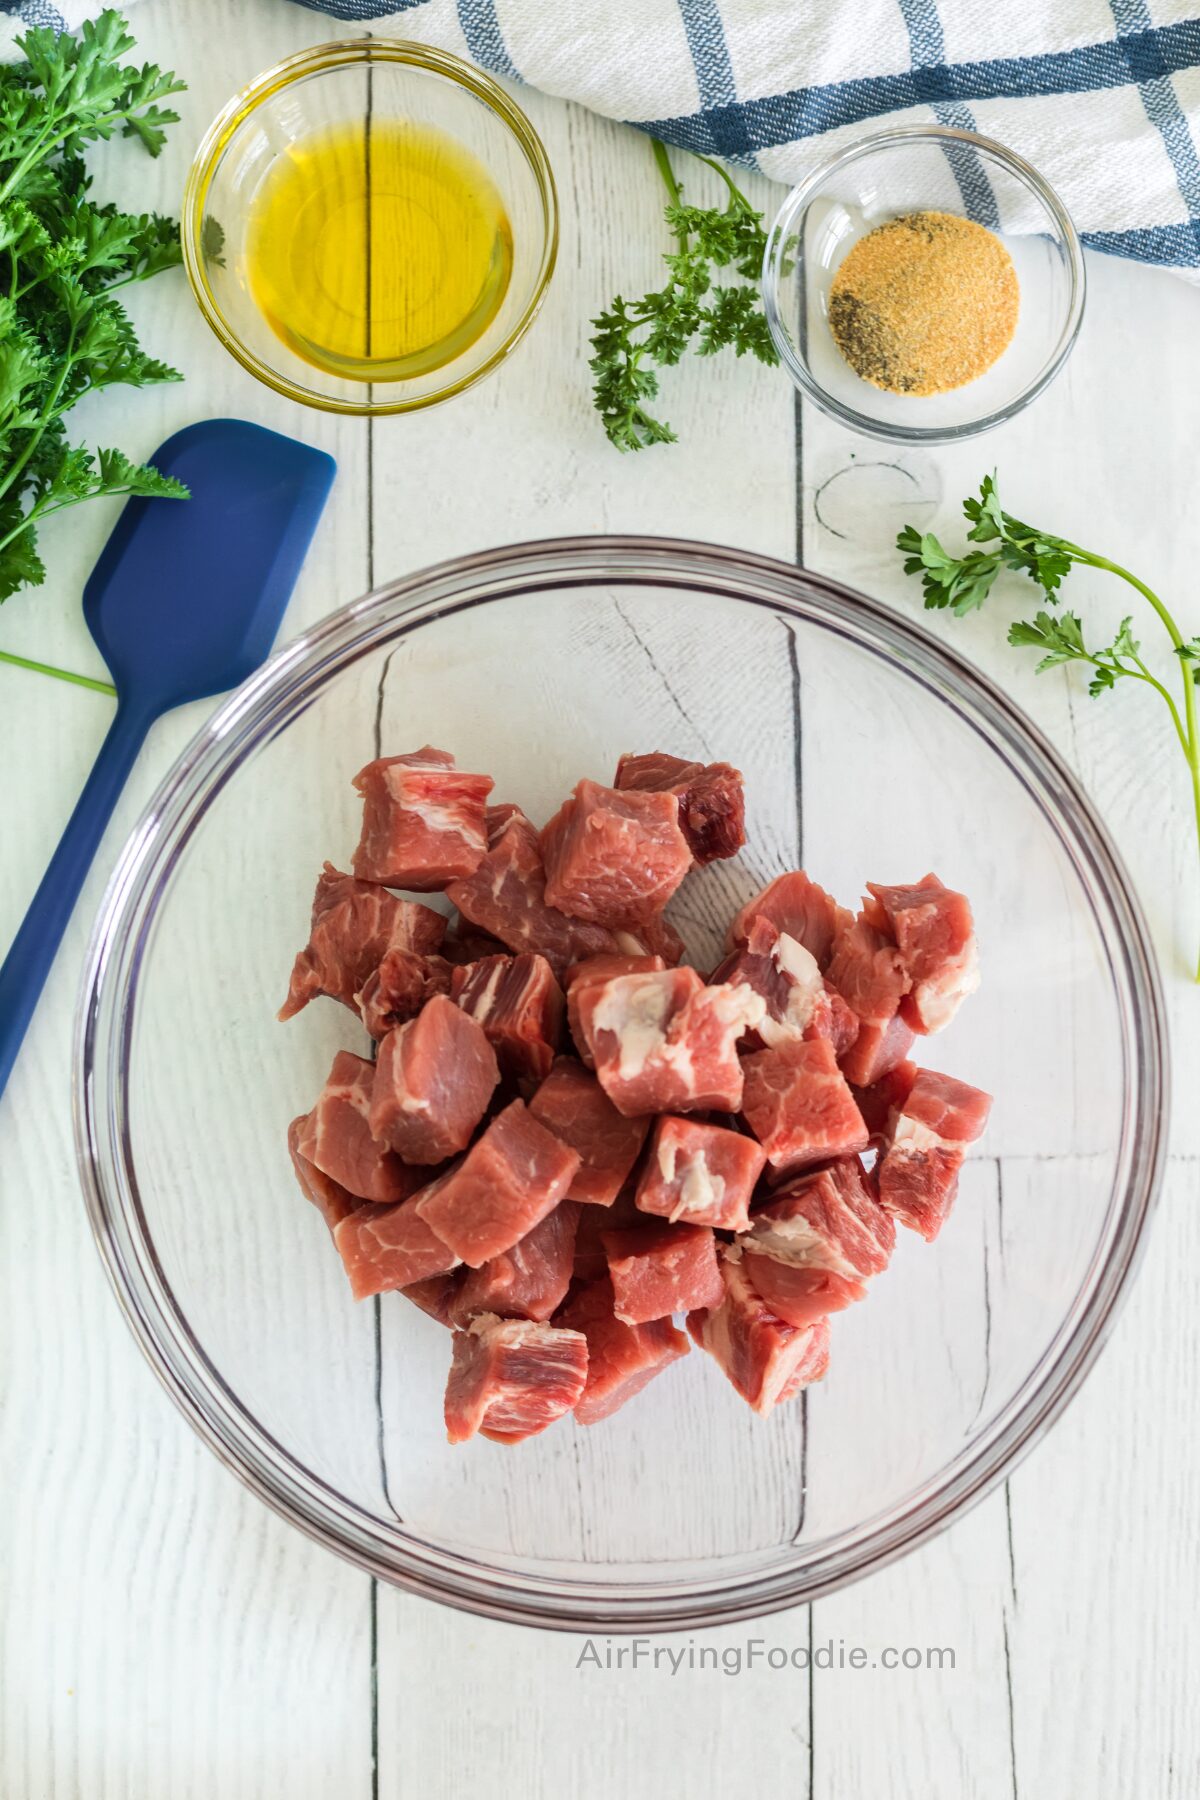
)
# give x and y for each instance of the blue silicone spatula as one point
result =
(184, 603)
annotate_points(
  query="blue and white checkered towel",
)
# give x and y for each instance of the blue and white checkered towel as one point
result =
(1102, 95)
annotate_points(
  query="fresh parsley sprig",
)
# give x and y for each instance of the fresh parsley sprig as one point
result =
(692, 310)
(64, 257)
(963, 583)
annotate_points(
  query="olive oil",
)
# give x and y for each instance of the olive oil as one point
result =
(379, 250)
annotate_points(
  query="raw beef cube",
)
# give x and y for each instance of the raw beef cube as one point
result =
(465, 943)
(435, 1294)
(801, 1297)
(797, 906)
(918, 1172)
(766, 1359)
(590, 1259)
(338, 1138)
(527, 1282)
(774, 965)
(919, 1187)
(572, 1104)
(843, 1021)
(701, 1173)
(933, 929)
(657, 937)
(657, 1270)
(520, 1007)
(508, 1181)
(506, 896)
(433, 1079)
(812, 1250)
(876, 1050)
(799, 1107)
(956, 1112)
(867, 972)
(603, 968)
(600, 968)
(423, 821)
(612, 857)
(622, 1358)
(666, 1042)
(510, 1378)
(882, 1099)
(386, 1247)
(354, 924)
(399, 988)
(330, 1198)
(712, 799)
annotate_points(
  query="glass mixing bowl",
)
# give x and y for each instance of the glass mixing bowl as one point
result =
(371, 82)
(909, 169)
(870, 750)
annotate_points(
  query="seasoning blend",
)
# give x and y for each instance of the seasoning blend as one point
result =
(924, 303)
(379, 250)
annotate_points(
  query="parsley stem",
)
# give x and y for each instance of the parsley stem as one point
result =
(1169, 700)
(41, 668)
(38, 431)
(1102, 562)
(726, 177)
(666, 171)
(1190, 739)
(673, 189)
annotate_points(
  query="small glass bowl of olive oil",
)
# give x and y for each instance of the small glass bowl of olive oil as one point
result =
(370, 226)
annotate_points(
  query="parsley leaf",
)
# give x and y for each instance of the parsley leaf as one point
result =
(1190, 653)
(963, 583)
(63, 256)
(1061, 640)
(960, 582)
(693, 311)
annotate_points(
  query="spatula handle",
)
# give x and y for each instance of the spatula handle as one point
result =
(36, 943)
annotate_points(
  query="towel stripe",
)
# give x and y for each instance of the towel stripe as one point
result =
(485, 40)
(927, 44)
(1135, 35)
(1170, 246)
(35, 12)
(705, 32)
(757, 125)
(361, 9)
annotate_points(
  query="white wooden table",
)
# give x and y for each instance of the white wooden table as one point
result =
(167, 1636)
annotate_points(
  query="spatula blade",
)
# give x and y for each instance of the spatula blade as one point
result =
(187, 596)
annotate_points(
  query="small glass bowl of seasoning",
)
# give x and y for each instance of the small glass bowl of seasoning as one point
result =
(923, 286)
(370, 226)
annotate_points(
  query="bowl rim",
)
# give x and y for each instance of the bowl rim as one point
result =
(799, 372)
(278, 691)
(316, 60)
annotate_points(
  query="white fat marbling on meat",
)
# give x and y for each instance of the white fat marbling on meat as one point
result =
(938, 999)
(793, 960)
(635, 1011)
(699, 1188)
(737, 1006)
(445, 820)
(515, 1332)
(912, 1134)
(678, 1058)
(482, 1003)
(794, 1242)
